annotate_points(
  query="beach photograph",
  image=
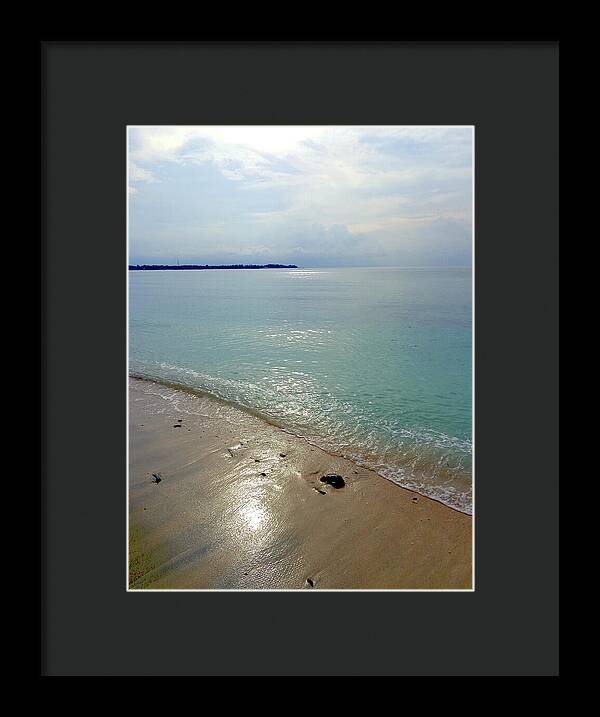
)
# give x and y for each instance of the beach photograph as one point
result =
(300, 387)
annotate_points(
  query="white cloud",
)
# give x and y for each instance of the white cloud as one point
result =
(386, 184)
(138, 174)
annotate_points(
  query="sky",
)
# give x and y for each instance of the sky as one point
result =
(311, 196)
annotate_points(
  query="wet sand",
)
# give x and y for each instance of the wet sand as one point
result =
(239, 505)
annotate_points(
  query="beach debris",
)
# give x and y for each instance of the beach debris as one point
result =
(156, 478)
(310, 582)
(334, 481)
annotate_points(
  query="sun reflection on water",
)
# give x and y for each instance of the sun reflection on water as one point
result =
(253, 514)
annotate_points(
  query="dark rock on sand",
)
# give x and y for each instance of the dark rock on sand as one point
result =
(333, 481)
(156, 478)
(177, 425)
(309, 582)
(282, 455)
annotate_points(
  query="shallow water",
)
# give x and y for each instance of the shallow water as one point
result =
(372, 364)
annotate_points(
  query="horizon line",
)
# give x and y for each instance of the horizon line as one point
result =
(318, 266)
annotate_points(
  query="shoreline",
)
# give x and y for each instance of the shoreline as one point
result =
(272, 421)
(240, 505)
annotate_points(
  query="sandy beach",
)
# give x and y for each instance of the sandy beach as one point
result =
(239, 505)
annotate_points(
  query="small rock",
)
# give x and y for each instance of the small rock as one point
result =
(282, 455)
(257, 460)
(309, 582)
(334, 481)
(177, 425)
(322, 492)
(156, 478)
(263, 474)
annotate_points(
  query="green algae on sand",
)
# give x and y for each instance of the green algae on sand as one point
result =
(141, 563)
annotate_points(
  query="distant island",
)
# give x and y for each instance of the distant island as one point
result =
(169, 267)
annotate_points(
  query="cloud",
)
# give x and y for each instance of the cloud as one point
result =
(138, 174)
(329, 193)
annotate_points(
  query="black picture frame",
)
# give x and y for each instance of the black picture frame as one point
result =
(90, 92)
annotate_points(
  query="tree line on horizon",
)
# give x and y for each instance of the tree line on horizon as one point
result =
(163, 267)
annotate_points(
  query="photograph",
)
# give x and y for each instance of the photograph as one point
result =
(300, 358)
(299, 336)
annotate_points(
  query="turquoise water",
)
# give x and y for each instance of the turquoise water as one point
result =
(372, 364)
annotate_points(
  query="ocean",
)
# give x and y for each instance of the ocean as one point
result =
(373, 364)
